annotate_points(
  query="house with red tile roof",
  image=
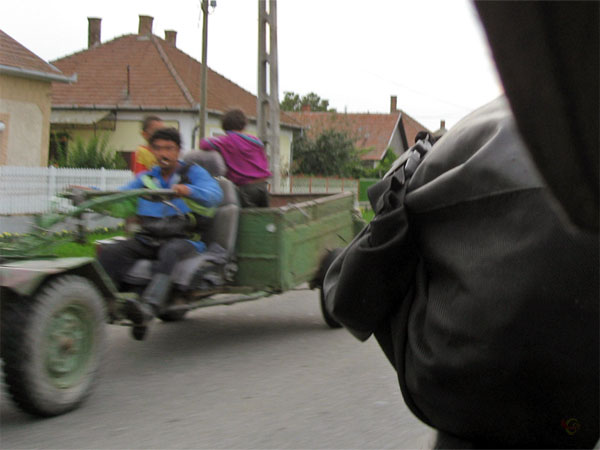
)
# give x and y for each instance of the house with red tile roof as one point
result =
(123, 80)
(372, 132)
(26, 82)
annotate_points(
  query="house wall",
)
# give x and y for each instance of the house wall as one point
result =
(25, 111)
(396, 143)
(126, 135)
(285, 151)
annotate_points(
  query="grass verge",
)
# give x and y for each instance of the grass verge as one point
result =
(367, 214)
(73, 249)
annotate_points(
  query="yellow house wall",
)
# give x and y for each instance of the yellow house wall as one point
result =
(213, 127)
(25, 110)
(125, 137)
(285, 149)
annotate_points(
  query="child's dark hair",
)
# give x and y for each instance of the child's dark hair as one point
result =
(234, 120)
(167, 134)
(148, 120)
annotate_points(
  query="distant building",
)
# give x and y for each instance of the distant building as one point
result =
(25, 86)
(123, 80)
(377, 133)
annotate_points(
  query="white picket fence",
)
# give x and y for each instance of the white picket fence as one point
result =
(32, 190)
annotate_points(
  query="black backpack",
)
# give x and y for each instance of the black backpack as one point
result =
(482, 296)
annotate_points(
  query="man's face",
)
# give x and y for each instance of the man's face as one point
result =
(166, 152)
(152, 127)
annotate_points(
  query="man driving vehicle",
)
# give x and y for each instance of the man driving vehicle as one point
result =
(168, 229)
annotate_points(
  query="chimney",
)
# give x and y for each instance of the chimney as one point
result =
(171, 37)
(145, 25)
(442, 131)
(94, 31)
(305, 108)
(393, 104)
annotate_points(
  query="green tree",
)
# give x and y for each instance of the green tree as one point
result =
(293, 102)
(382, 166)
(290, 102)
(332, 153)
(93, 154)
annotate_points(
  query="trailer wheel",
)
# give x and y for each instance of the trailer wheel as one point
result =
(52, 345)
(328, 318)
(323, 267)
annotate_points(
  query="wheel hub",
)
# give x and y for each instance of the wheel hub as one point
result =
(69, 343)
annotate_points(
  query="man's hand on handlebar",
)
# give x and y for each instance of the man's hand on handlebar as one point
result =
(181, 190)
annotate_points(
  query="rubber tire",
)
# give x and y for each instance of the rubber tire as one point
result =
(325, 263)
(27, 345)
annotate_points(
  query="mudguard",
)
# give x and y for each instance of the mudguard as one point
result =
(24, 277)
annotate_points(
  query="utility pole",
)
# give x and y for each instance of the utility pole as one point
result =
(202, 118)
(268, 99)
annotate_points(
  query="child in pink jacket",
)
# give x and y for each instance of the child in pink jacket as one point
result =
(244, 155)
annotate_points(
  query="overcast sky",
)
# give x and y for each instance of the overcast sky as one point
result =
(431, 54)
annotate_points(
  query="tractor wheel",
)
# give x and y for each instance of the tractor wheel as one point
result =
(52, 345)
(325, 263)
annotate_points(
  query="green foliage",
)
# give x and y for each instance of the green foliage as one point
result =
(93, 154)
(332, 153)
(382, 166)
(74, 249)
(367, 214)
(293, 102)
(58, 244)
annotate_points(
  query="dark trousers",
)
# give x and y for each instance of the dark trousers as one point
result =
(254, 195)
(118, 259)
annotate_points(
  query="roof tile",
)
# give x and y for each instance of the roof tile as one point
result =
(15, 55)
(370, 131)
(153, 81)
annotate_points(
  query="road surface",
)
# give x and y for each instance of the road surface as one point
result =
(261, 374)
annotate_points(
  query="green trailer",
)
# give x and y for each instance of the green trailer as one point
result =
(54, 310)
(280, 248)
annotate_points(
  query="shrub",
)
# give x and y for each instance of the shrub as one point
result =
(332, 153)
(93, 154)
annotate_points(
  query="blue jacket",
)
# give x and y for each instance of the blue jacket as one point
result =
(205, 190)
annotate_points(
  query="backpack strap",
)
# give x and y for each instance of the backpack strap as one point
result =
(400, 173)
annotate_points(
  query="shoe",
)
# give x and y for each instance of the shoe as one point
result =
(138, 312)
(142, 311)
(139, 332)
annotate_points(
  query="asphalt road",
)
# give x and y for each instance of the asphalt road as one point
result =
(262, 374)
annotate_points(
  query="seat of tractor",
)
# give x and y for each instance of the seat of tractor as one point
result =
(216, 265)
